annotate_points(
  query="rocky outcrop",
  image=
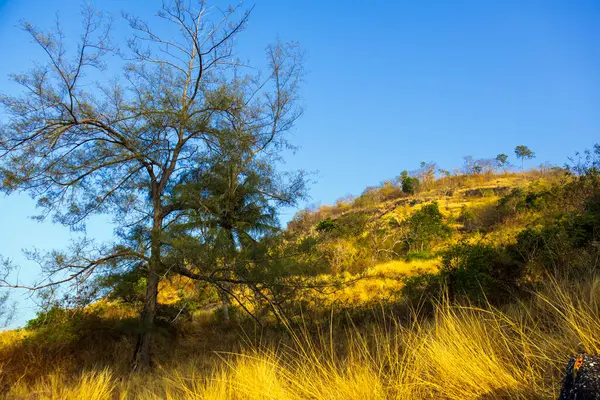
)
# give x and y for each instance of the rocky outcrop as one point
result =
(582, 379)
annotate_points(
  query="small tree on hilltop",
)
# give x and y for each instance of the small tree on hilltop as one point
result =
(524, 153)
(410, 184)
(502, 161)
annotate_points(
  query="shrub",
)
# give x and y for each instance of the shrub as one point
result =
(551, 248)
(425, 226)
(469, 219)
(511, 203)
(423, 288)
(479, 272)
(327, 225)
(410, 185)
(352, 225)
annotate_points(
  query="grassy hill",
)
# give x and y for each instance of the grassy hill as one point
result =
(476, 286)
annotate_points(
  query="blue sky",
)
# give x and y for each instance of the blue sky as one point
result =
(389, 84)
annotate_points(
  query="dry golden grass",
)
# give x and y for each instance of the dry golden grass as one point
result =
(382, 282)
(402, 267)
(463, 353)
(93, 385)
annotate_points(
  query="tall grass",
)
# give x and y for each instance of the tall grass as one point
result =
(462, 353)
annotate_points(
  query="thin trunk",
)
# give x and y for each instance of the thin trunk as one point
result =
(225, 305)
(142, 357)
(229, 261)
(522, 166)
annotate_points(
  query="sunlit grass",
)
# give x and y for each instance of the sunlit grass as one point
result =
(462, 353)
(382, 282)
(402, 267)
(93, 385)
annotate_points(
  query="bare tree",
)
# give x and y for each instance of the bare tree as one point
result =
(121, 146)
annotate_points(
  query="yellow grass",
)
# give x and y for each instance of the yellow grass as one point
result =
(462, 353)
(93, 385)
(382, 282)
(401, 267)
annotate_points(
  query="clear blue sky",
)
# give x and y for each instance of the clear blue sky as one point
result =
(390, 84)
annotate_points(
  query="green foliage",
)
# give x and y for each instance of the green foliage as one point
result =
(327, 225)
(479, 272)
(519, 200)
(193, 113)
(543, 247)
(420, 255)
(350, 225)
(423, 287)
(467, 269)
(53, 316)
(425, 226)
(469, 219)
(353, 224)
(552, 247)
(501, 160)
(62, 327)
(410, 185)
(129, 286)
(512, 202)
(524, 153)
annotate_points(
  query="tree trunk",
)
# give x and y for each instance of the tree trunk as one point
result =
(142, 357)
(522, 166)
(225, 306)
(229, 262)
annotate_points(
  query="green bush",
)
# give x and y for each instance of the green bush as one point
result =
(470, 220)
(479, 272)
(53, 316)
(352, 225)
(425, 226)
(410, 185)
(423, 287)
(327, 225)
(551, 247)
(512, 203)
(520, 200)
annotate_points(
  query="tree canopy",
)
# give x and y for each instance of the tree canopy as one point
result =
(179, 105)
(524, 153)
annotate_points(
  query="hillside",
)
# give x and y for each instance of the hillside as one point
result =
(485, 282)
